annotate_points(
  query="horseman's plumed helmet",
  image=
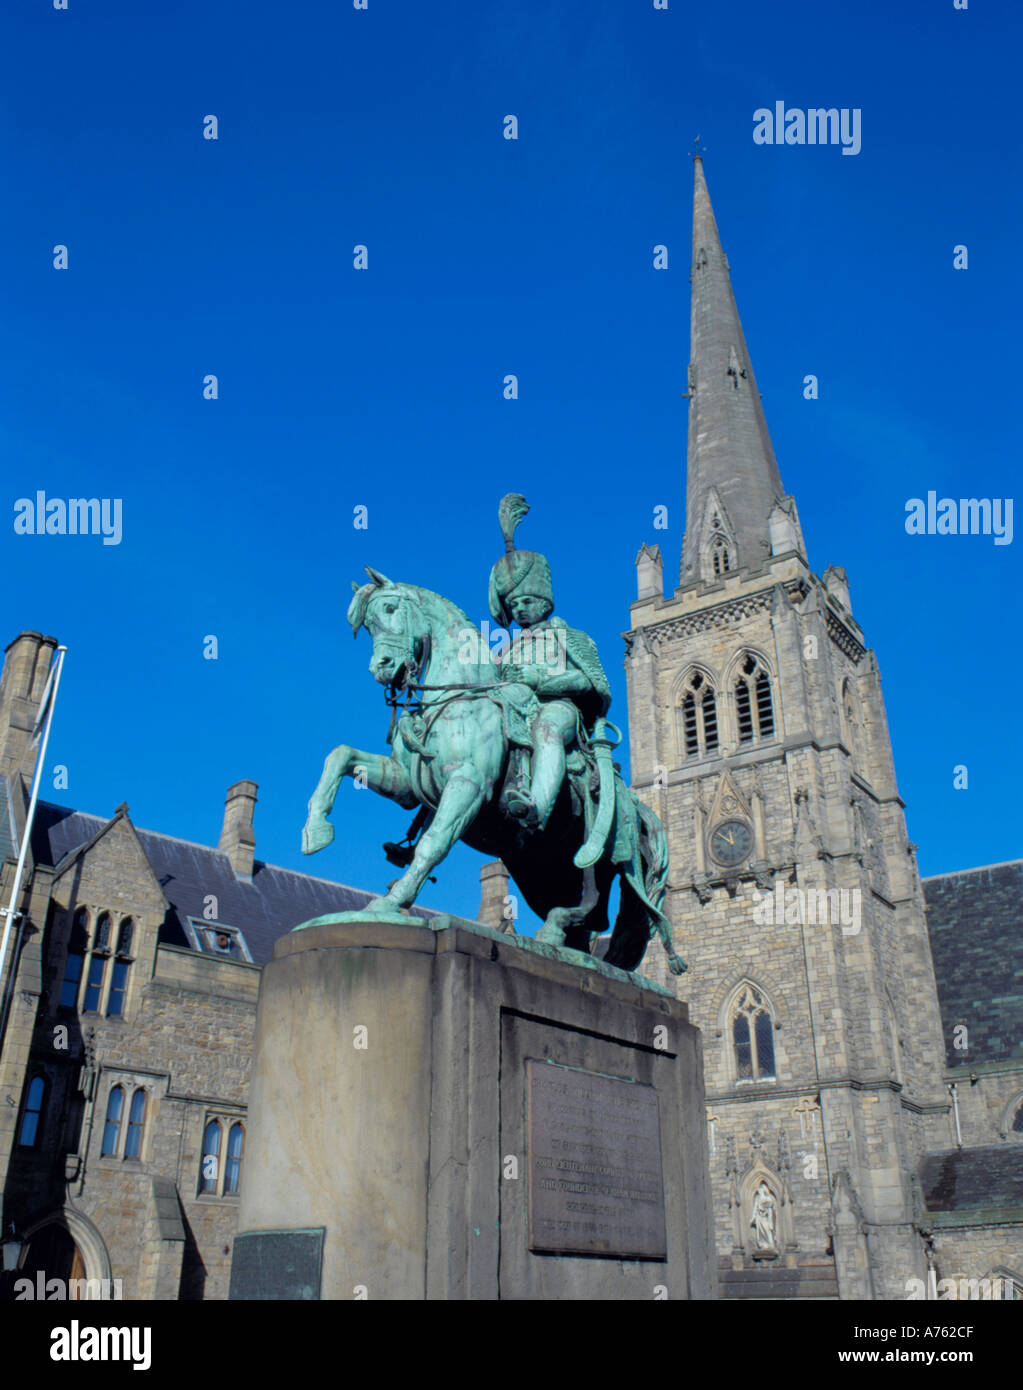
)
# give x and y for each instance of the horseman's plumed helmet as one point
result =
(517, 571)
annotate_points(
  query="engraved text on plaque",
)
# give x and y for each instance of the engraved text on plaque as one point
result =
(595, 1179)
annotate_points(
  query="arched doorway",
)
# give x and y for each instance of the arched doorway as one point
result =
(67, 1246)
(52, 1254)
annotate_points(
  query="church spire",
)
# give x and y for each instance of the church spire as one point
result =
(733, 484)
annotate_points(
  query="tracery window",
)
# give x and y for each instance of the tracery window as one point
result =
(753, 707)
(697, 717)
(216, 1178)
(752, 1035)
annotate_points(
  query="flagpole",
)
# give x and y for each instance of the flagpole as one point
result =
(46, 707)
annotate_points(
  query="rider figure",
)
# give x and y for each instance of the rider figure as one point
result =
(559, 663)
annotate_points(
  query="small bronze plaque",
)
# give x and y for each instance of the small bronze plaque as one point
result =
(277, 1264)
(596, 1185)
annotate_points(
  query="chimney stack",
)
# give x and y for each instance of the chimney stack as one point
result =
(238, 839)
(494, 890)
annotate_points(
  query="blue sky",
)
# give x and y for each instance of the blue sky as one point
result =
(383, 388)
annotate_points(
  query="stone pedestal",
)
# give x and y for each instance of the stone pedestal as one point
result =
(445, 1112)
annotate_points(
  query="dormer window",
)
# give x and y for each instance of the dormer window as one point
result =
(719, 556)
(218, 939)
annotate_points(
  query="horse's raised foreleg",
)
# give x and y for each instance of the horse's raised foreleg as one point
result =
(377, 771)
(459, 806)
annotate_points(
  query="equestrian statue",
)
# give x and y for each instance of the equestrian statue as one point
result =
(510, 751)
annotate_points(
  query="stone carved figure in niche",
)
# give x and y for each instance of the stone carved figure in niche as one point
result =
(765, 1218)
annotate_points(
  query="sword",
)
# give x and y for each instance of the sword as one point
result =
(602, 746)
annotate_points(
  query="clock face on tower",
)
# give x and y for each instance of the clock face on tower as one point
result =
(731, 841)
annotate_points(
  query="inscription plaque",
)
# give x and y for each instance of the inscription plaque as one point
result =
(596, 1184)
(277, 1264)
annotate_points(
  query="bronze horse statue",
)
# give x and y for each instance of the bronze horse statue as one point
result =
(451, 759)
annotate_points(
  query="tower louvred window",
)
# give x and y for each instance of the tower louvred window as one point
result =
(753, 706)
(698, 732)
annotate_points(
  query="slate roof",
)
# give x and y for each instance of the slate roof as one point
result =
(971, 1179)
(975, 920)
(275, 901)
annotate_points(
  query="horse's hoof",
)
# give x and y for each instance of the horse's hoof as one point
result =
(316, 835)
(384, 905)
(522, 809)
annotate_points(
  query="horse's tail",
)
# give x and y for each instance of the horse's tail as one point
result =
(653, 848)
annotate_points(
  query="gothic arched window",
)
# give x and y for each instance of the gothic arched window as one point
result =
(209, 1172)
(124, 935)
(98, 964)
(752, 1031)
(753, 708)
(112, 1128)
(1017, 1124)
(235, 1149)
(101, 944)
(136, 1123)
(697, 717)
(75, 956)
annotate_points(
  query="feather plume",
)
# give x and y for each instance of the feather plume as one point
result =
(512, 508)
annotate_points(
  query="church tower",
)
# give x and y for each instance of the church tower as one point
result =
(758, 734)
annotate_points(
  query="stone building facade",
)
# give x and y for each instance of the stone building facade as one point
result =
(125, 1068)
(758, 733)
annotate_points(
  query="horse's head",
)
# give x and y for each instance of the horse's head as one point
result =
(395, 620)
